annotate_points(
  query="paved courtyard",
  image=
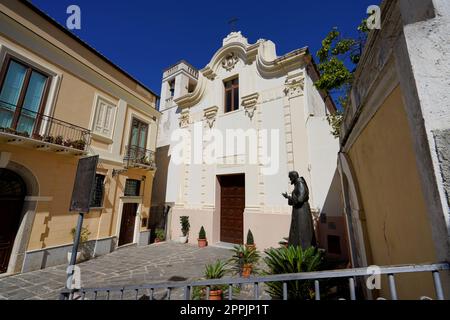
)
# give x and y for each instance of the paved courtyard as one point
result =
(127, 266)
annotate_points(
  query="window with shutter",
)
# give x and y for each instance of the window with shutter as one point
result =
(104, 118)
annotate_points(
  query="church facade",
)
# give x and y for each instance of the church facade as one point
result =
(230, 134)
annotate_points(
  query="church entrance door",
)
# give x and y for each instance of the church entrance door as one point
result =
(232, 206)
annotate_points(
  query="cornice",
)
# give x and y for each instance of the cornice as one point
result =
(237, 46)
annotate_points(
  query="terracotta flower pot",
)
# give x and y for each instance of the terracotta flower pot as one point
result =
(247, 270)
(215, 295)
(202, 243)
(157, 240)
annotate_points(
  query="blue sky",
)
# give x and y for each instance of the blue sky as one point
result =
(146, 36)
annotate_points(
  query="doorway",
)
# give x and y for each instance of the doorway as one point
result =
(232, 206)
(128, 224)
(12, 196)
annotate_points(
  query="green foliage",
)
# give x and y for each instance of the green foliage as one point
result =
(216, 271)
(292, 260)
(160, 234)
(335, 121)
(242, 256)
(338, 58)
(250, 239)
(185, 225)
(202, 234)
(84, 237)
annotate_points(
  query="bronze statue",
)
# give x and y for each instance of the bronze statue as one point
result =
(302, 228)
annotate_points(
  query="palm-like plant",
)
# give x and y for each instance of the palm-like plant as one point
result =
(292, 260)
(216, 271)
(243, 256)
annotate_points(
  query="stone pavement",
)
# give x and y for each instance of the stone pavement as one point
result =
(127, 266)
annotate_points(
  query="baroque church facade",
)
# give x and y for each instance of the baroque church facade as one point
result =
(270, 102)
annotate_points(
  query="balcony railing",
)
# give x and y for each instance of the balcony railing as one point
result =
(39, 127)
(137, 157)
(184, 290)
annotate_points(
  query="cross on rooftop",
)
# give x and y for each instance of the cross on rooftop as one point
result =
(233, 23)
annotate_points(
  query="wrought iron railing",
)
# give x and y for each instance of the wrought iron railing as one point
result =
(139, 157)
(352, 275)
(41, 127)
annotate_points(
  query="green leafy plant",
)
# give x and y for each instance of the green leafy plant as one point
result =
(78, 144)
(185, 225)
(23, 134)
(292, 260)
(217, 270)
(84, 237)
(202, 234)
(49, 139)
(250, 239)
(338, 59)
(10, 131)
(59, 140)
(160, 234)
(243, 256)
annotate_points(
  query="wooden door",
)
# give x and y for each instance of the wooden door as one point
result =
(232, 206)
(128, 224)
(12, 194)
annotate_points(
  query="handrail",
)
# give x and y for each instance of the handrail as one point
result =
(346, 273)
(44, 128)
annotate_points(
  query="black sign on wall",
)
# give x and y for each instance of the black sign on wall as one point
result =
(84, 185)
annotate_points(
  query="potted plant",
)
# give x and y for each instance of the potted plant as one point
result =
(244, 260)
(250, 241)
(78, 144)
(160, 235)
(202, 241)
(49, 139)
(67, 143)
(23, 134)
(185, 227)
(10, 131)
(216, 271)
(84, 238)
(37, 136)
(293, 260)
(59, 140)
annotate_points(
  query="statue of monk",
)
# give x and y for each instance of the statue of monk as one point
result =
(302, 228)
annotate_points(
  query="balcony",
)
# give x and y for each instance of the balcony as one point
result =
(137, 157)
(41, 132)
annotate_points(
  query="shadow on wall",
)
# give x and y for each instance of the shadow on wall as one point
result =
(331, 226)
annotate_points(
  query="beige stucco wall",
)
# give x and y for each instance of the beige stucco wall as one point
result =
(385, 168)
(79, 76)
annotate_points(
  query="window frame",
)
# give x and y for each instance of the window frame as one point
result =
(233, 90)
(135, 119)
(93, 205)
(138, 189)
(99, 98)
(19, 107)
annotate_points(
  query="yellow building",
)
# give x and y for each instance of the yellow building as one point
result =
(395, 146)
(61, 100)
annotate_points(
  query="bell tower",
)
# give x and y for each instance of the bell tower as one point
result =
(178, 80)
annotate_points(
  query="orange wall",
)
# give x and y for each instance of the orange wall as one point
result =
(397, 221)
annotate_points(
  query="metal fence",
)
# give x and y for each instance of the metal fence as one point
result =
(136, 156)
(350, 275)
(41, 127)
